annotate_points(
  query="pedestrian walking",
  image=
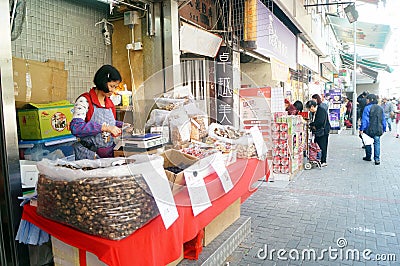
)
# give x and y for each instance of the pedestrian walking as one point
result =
(388, 110)
(373, 124)
(320, 127)
(397, 111)
(361, 103)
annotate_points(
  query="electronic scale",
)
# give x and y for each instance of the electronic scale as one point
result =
(144, 142)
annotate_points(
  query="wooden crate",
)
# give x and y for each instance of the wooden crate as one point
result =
(221, 222)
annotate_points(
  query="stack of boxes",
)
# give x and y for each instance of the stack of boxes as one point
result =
(288, 139)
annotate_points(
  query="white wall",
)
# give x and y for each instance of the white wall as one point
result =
(65, 31)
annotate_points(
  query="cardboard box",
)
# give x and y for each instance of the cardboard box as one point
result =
(178, 159)
(65, 254)
(39, 82)
(43, 121)
(221, 222)
(56, 64)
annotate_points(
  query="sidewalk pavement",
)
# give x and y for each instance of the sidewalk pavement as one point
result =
(348, 208)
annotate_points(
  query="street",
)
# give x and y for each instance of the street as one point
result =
(347, 213)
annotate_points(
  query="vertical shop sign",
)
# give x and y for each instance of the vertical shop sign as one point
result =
(335, 98)
(250, 20)
(224, 74)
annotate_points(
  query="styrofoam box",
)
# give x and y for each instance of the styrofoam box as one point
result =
(66, 255)
(29, 173)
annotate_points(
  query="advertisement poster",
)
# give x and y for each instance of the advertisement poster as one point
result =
(255, 110)
(335, 102)
(334, 118)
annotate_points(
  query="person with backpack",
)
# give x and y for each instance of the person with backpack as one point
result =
(373, 124)
(94, 122)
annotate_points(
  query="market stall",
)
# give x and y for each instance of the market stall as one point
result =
(153, 244)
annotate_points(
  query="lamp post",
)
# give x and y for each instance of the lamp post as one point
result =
(354, 106)
(352, 16)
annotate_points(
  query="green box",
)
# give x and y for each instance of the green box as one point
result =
(42, 121)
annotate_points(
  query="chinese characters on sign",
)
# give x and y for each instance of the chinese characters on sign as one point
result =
(224, 80)
(201, 12)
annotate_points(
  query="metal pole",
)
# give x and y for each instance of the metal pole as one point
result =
(354, 79)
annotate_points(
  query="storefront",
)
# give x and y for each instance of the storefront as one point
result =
(208, 72)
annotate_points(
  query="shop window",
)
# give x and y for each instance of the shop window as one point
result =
(197, 76)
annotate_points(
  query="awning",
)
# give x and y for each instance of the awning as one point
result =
(368, 34)
(372, 1)
(348, 60)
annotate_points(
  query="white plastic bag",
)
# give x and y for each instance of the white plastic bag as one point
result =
(367, 139)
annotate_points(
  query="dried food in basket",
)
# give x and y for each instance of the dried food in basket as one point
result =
(246, 151)
(111, 207)
(227, 134)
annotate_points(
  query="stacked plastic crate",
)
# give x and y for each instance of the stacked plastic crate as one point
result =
(287, 142)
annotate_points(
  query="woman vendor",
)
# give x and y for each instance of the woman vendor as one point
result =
(94, 122)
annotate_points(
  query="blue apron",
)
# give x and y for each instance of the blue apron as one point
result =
(100, 145)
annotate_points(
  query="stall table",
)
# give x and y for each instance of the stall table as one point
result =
(153, 244)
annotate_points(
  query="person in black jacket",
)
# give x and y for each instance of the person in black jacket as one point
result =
(373, 123)
(320, 126)
(361, 103)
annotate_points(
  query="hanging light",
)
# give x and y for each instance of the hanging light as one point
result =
(351, 12)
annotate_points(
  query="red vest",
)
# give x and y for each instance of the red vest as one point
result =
(92, 99)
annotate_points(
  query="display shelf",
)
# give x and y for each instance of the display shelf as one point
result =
(157, 245)
(35, 150)
(25, 144)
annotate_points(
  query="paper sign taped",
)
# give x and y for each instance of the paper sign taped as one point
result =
(197, 191)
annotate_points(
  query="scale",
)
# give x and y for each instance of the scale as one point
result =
(144, 142)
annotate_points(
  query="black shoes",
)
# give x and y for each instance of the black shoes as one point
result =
(369, 159)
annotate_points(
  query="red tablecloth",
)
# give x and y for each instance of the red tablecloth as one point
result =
(153, 244)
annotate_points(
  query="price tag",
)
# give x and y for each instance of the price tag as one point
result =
(259, 142)
(223, 174)
(184, 131)
(159, 187)
(197, 191)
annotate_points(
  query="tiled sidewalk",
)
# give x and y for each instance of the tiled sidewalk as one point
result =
(351, 201)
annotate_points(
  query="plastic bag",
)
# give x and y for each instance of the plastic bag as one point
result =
(228, 134)
(180, 128)
(100, 197)
(169, 104)
(158, 118)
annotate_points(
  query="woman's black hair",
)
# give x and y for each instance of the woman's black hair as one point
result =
(298, 105)
(372, 98)
(317, 97)
(106, 73)
(311, 103)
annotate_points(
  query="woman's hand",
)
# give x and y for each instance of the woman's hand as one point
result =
(114, 131)
(127, 128)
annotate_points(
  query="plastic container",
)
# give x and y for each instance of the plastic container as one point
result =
(126, 97)
(276, 160)
(275, 127)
